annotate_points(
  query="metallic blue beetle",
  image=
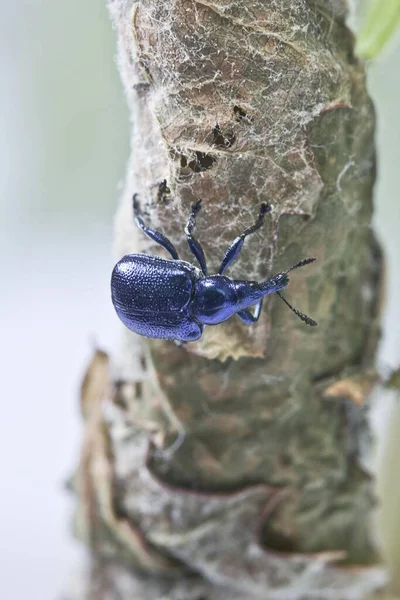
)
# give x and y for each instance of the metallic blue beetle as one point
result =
(173, 299)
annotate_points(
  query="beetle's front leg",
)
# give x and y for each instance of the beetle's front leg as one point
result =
(247, 317)
(234, 249)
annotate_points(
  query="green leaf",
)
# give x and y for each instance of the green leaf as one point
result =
(382, 22)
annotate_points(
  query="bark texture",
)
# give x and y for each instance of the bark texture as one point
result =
(235, 467)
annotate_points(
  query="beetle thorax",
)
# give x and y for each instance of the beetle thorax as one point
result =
(215, 300)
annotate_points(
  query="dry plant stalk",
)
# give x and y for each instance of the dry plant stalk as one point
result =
(234, 468)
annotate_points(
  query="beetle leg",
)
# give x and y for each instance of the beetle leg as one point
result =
(156, 236)
(195, 246)
(234, 249)
(247, 317)
(180, 343)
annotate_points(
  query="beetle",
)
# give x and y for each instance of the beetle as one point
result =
(173, 299)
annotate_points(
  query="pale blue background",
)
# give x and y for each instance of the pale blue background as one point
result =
(63, 147)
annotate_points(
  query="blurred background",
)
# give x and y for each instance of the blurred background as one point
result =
(64, 143)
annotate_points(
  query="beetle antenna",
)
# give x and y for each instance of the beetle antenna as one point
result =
(301, 315)
(301, 263)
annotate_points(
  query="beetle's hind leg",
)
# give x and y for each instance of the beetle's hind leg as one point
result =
(195, 246)
(154, 235)
(248, 317)
(180, 343)
(234, 249)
